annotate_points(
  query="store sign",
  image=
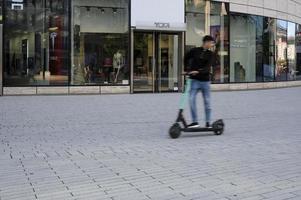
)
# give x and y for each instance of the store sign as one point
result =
(156, 14)
(166, 26)
(162, 25)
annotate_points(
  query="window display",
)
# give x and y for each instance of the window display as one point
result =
(100, 42)
(36, 43)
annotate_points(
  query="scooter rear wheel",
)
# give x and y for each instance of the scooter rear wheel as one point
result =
(219, 132)
(175, 131)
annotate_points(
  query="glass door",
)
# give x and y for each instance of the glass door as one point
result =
(155, 62)
(143, 62)
(168, 66)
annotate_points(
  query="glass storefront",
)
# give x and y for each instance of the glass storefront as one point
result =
(83, 43)
(262, 49)
(204, 17)
(38, 37)
(246, 48)
(297, 73)
(144, 62)
(100, 43)
(258, 48)
(269, 49)
(36, 43)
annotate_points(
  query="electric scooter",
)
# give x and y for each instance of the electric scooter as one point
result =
(181, 125)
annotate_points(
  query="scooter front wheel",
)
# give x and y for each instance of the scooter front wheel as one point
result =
(175, 131)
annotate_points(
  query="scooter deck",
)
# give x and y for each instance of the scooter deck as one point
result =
(202, 129)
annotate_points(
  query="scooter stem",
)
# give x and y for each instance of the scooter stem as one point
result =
(185, 95)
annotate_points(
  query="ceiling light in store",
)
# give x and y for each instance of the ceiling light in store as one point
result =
(224, 10)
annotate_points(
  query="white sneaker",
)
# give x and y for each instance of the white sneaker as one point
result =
(194, 125)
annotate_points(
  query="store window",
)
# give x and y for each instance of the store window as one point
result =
(100, 42)
(269, 48)
(1, 12)
(246, 48)
(281, 70)
(36, 42)
(259, 21)
(291, 50)
(204, 17)
(298, 52)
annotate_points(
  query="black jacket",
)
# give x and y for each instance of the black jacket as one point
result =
(201, 60)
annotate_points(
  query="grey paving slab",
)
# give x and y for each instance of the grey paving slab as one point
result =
(115, 147)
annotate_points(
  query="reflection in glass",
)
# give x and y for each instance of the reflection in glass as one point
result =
(259, 47)
(298, 52)
(143, 62)
(36, 43)
(210, 18)
(291, 50)
(246, 48)
(219, 30)
(281, 53)
(197, 6)
(269, 48)
(100, 42)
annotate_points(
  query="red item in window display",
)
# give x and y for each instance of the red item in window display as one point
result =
(108, 62)
(56, 46)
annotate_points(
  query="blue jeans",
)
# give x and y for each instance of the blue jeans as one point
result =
(204, 87)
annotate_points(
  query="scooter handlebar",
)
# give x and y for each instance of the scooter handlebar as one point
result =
(187, 73)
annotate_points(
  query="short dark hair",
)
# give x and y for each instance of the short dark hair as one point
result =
(208, 38)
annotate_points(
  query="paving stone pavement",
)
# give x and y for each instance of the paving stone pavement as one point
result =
(116, 147)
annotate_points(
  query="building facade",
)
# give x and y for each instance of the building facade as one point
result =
(130, 46)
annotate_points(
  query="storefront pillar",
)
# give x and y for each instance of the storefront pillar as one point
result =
(132, 61)
(1, 60)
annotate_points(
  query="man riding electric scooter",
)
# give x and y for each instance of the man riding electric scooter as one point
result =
(198, 62)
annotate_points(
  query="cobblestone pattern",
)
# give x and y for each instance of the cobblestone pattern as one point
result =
(116, 147)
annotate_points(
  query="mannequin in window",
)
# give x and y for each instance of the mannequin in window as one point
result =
(88, 73)
(117, 64)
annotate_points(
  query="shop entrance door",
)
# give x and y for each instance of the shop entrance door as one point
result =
(156, 61)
